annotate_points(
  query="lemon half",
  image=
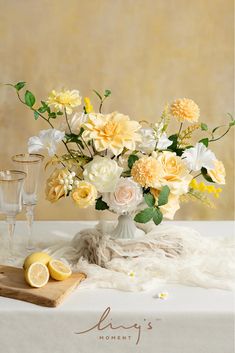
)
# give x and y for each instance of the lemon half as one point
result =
(37, 275)
(59, 270)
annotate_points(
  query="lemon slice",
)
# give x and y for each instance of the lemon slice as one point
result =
(37, 275)
(59, 270)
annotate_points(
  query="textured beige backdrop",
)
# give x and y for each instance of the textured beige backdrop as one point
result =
(147, 52)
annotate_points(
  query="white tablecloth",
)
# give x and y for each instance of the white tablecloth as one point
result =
(191, 320)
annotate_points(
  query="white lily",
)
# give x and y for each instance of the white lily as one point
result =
(199, 156)
(163, 142)
(47, 139)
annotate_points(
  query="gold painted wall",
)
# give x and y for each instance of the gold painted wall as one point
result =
(147, 52)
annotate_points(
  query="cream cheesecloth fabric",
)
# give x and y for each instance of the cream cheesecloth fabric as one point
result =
(166, 253)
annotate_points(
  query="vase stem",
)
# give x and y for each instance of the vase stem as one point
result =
(126, 228)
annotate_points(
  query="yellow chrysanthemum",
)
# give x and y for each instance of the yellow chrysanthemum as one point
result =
(146, 172)
(64, 100)
(88, 105)
(112, 131)
(185, 109)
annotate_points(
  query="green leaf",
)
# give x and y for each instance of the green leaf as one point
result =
(205, 141)
(29, 98)
(107, 92)
(205, 175)
(204, 127)
(144, 216)
(232, 123)
(132, 159)
(101, 205)
(36, 115)
(98, 94)
(19, 85)
(42, 109)
(52, 115)
(163, 196)
(59, 113)
(157, 216)
(149, 199)
(174, 139)
(81, 132)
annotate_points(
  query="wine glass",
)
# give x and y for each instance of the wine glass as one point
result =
(31, 165)
(11, 187)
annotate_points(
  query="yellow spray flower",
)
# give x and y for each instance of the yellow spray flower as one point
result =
(202, 187)
(88, 105)
(64, 100)
(185, 109)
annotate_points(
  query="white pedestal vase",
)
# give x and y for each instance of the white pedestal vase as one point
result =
(126, 228)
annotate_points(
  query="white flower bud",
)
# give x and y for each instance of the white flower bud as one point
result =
(70, 187)
(76, 182)
(73, 174)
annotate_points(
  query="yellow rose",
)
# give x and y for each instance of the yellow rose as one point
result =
(218, 174)
(84, 195)
(168, 210)
(55, 185)
(174, 173)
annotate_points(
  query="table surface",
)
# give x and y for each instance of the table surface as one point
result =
(180, 297)
(191, 320)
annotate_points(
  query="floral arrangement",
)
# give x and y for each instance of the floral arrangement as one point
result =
(128, 167)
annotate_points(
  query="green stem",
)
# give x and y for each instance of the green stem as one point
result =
(181, 125)
(35, 110)
(197, 175)
(218, 138)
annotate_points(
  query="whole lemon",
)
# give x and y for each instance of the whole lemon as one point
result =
(41, 257)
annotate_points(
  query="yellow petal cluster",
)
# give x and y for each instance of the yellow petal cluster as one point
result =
(54, 188)
(146, 172)
(64, 99)
(202, 187)
(84, 195)
(113, 131)
(185, 109)
(88, 105)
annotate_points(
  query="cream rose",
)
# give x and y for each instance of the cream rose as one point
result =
(54, 185)
(126, 196)
(168, 210)
(103, 173)
(84, 195)
(218, 174)
(174, 173)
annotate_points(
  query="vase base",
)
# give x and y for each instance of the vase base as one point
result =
(126, 229)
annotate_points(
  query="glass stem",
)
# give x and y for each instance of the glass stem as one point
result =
(30, 217)
(11, 230)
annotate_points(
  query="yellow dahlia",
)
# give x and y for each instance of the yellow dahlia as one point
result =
(111, 131)
(185, 109)
(146, 172)
(64, 100)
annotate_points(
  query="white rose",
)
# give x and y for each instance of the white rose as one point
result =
(103, 173)
(126, 196)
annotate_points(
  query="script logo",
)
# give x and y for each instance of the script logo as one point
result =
(105, 323)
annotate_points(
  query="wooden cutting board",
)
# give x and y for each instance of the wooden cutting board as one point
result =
(13, 285)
